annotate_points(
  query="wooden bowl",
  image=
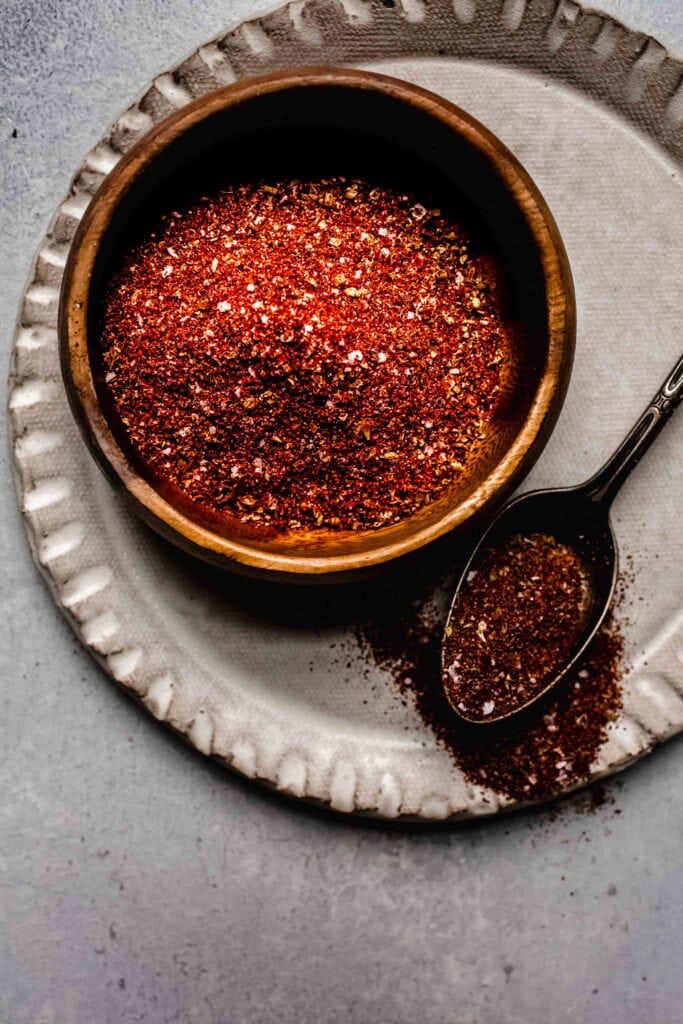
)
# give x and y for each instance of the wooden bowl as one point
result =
(298, 118)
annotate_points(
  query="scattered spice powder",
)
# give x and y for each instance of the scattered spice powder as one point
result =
(518, 616)
(548, 751)
(307, 354)
(556, 747)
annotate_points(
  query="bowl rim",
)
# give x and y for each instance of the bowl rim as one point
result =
(223, 550)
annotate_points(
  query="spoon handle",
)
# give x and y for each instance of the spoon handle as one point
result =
(602, 487)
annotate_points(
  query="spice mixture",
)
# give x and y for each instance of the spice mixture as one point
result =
(555, 744)
(518, 616)
(307, 354)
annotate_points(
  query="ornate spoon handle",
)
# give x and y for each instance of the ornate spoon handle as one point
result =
(602, 487)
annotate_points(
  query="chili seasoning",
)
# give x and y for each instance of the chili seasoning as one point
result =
(308, 354)
(547, 751)
(515, 623)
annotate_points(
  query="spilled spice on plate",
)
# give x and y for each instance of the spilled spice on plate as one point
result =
(519, 615)
(555, 745)
(307, 354)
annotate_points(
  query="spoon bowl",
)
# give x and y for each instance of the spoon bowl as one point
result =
(571, 517)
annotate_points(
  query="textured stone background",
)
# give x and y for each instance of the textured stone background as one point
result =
(140, 882)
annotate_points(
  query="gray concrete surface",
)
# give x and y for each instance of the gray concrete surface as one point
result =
(139, 882)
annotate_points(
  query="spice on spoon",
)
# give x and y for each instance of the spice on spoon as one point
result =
(308, 354)
(517, 618)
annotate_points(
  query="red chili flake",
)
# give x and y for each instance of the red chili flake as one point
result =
(549, 750)
(518, 616)
(308, 354)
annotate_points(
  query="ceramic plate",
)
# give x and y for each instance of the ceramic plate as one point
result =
(273, 682)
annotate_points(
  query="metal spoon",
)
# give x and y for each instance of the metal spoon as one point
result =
(578, 517)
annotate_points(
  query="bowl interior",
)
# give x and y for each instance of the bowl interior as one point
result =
(338, 129)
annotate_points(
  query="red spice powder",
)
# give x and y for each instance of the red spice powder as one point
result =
(307, 354)
(518, 616)
(539, 756)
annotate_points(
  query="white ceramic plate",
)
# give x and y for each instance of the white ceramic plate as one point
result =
(272, 684)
